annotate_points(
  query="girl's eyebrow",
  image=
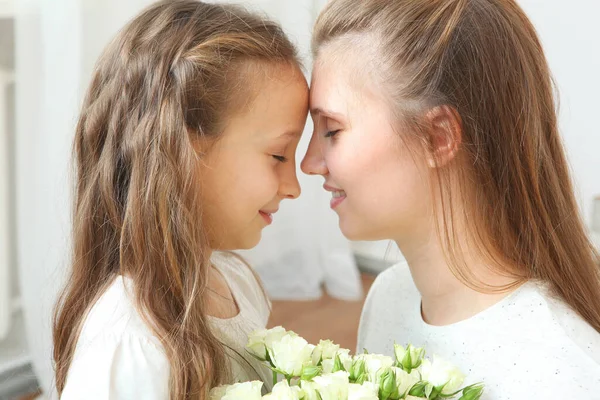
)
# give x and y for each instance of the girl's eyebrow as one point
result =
(290, 134)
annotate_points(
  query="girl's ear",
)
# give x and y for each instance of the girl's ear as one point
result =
(201, 144)
(445, 135)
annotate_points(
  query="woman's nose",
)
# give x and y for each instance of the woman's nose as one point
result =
(314, 162)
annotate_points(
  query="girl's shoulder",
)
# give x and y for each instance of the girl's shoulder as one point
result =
(243, 281)
(114, 315)
(116, 353)
(233, 264)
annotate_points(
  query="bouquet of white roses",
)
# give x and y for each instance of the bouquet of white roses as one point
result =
(328, 372)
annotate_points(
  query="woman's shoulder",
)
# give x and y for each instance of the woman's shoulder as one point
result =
(392, 291)
(395, 281)
(550, 334)
(572, 326)
(539, 336)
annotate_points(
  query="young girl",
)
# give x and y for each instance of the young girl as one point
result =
(435, 126)
(185, 146)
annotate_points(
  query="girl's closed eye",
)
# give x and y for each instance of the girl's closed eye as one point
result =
(278, 153)
(281, 159)
(281, 150)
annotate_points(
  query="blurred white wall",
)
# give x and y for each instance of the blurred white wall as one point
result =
(570, 34)
(48, 63)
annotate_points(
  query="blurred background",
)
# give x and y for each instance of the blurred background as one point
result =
(47, 53)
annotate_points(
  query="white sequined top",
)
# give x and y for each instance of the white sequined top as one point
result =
(529, 345)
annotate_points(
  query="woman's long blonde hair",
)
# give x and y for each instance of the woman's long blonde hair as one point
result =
(483, 59)
(172, 76)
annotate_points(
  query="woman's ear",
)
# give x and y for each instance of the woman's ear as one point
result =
(445, 135)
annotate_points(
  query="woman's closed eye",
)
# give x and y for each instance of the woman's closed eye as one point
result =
(332, 133)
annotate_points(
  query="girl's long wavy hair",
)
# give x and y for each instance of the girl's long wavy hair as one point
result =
(172, 76)
(483, 59)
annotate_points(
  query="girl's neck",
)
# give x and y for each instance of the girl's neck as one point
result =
(221, 302)
(444, 298)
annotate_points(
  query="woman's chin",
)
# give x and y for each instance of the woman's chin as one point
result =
(353, 232)
(361, 232)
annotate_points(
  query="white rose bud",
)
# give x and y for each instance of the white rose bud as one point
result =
(325, 350)
(409, 358)
(218, 392)
(309, 389)
(442, 374)
(261, 340)
(275, 335)
(366, 391)
(375, 364)
(345, 360)
(290, 354)
(283, 391)
(327, 366)
(238, 391)
(404, 380)
(329, 387)
(256, 344)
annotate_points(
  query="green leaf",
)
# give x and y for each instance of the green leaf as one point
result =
(309, 372)
(418, 389)
(436, 392)
(429, 390)
(278, 371)
(407, 361)
(362, 378)
(270, 358)
(449, 395)
(387, 385)
(337, 364)
(257, 357)
(356, 370)
(413, 358)
(473, 392)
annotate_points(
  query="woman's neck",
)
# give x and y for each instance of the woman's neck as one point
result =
(445, 299)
